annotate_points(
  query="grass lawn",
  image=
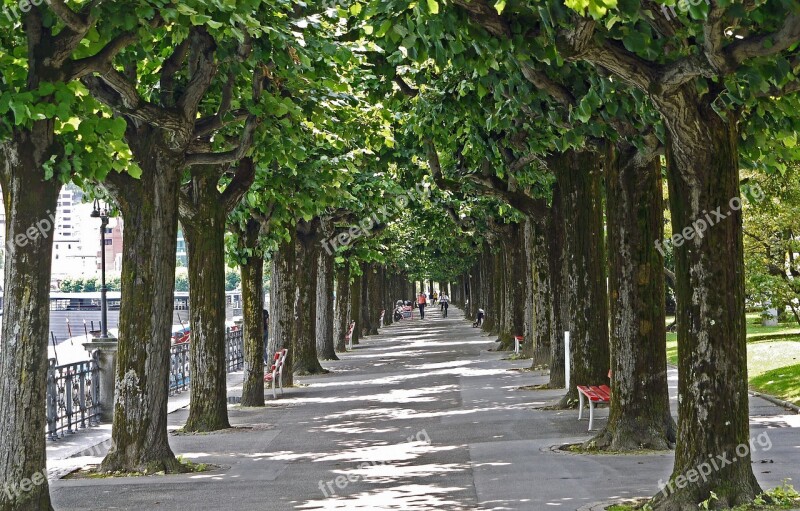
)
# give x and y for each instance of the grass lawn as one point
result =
(773, 366)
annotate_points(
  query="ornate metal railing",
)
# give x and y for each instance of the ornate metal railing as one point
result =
(72, 397)
(179, 377)
(234, 349)
(73, 389)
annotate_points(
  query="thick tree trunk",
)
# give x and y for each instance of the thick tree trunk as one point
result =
(342, 311)
(369, 300)
(204, 230)
(149, 206)
(541, 294)
(283, 300)
(579, 175)
(305, 347)
(703, 177)
(253, 316)
(556, 262)
(30, 205)
(355, 307)
(512, 268)
(326, 348)
(640, 416)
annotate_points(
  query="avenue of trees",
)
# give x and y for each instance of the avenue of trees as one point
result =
(523, 154)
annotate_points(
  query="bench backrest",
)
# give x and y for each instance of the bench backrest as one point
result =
(350, 331)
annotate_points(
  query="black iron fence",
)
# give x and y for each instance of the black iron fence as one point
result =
(72, 397)
(73, 389)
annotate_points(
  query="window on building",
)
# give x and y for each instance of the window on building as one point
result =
(108, 242)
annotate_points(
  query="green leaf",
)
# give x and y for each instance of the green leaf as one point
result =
(433, 6)
(355, 9)
(500, 5)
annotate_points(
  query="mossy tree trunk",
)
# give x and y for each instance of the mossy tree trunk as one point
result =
(149, 206)
(30, 205)
(540, 339)
(556, 262)
(304, 351)
(253, 315)
(713, 415)
(326, 343)
(203, 213)
(283, 303)
(640, 416)
(579, 175)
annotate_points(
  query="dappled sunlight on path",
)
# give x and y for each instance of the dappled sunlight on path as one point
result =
(424, 416)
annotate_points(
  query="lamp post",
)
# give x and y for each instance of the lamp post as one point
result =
(103, 216)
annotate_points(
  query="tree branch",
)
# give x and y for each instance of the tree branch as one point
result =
(201, 71)
(70, 18)
(241, 182)
(169, 69)
(101, 61)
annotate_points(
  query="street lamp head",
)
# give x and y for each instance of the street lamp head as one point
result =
(96, 209)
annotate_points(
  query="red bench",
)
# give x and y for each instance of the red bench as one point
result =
(518, 340)
(275, 373)
(594, 394)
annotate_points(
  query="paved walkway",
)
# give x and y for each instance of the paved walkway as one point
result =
(422, 417)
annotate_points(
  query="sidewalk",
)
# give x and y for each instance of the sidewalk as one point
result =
(421, 417)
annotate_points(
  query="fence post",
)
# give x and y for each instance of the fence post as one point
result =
(52, 399)
(104, 351)
(95, 412)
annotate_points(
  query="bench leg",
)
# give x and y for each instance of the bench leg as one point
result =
(280, 382)
(591, 414)
(580, 406)
(274, 376)
(516, 346)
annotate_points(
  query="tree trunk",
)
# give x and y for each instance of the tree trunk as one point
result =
(326, 348)
(30, 205)
(253, 312)
(640, 416)
(556, 262)
(283, 299)
(204, 230)
(579, 175)
(149, 206)
(367, 325)
(305, 347)
(355, 307)
(703, 177)
(342, 313)
(541, 294)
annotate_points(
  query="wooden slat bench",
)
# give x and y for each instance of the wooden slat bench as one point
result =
(594, 394)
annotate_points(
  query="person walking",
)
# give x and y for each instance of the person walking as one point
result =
(422, 300)
(444, 301)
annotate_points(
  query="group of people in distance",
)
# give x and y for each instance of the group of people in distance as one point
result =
(422, 302)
